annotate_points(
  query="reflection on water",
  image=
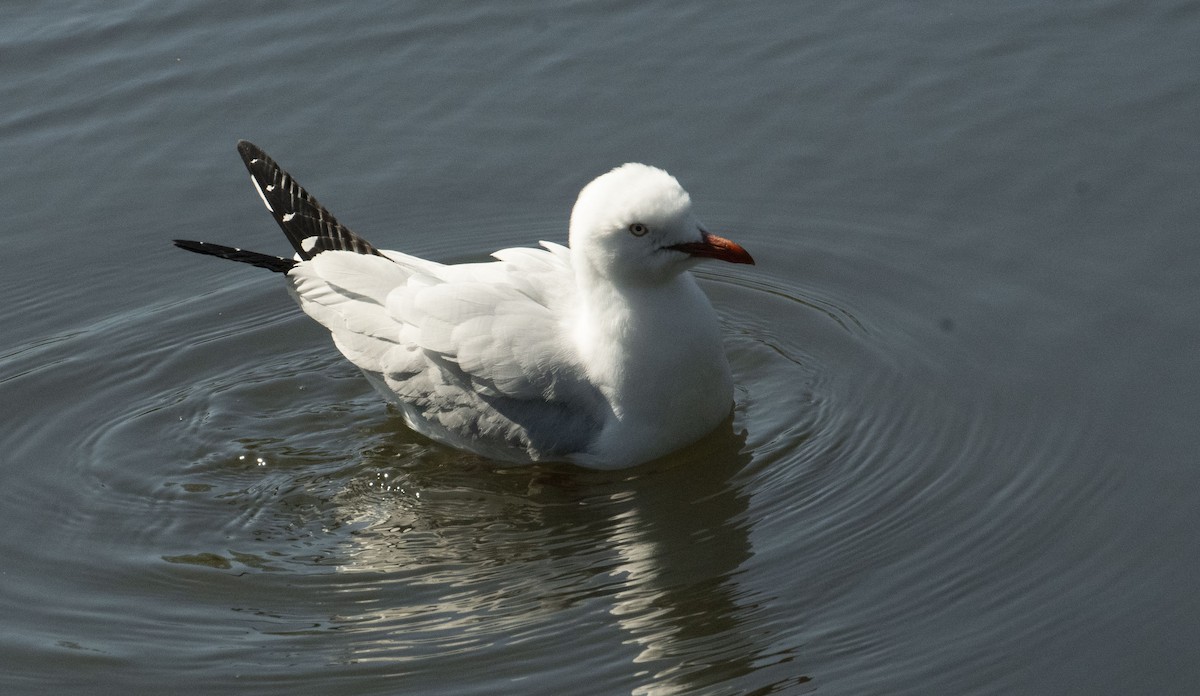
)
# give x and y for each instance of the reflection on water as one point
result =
(657, 548)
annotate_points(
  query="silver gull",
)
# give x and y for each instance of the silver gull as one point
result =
(605, 354)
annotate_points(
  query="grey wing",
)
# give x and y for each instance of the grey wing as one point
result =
(475, 355)
(493, 366)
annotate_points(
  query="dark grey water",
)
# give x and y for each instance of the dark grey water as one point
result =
(964, 456)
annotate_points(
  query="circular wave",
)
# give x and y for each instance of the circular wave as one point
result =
(225, 435)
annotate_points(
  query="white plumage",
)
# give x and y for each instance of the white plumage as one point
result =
(606, 354)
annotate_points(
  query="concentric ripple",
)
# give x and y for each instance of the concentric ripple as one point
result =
(245, 480)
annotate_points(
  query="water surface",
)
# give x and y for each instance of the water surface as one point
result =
(962, 458)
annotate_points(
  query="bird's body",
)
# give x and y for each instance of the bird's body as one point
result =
(605, 354)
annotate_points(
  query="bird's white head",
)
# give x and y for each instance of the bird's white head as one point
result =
(634, 225)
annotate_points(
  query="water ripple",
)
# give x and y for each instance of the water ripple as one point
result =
(877, 484)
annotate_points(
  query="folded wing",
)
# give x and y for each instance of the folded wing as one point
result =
(473, 354)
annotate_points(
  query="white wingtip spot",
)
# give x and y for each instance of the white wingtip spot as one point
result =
(288, 217)
(261, 195)
(308, 243)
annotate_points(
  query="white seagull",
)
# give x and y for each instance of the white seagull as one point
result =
(606, 354)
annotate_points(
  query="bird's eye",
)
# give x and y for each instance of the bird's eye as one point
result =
(637, 229)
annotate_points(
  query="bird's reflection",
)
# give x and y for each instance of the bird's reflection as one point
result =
(471, 554)
(680, 544)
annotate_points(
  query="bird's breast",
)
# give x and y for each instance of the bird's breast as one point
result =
(659, 361)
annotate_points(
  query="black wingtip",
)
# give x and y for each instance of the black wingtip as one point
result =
(309, 227)
(249, 151)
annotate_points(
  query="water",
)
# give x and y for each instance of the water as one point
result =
(963, 458)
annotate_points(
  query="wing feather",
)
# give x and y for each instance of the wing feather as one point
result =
(474, 354)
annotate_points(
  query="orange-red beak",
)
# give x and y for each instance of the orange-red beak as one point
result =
(714, 247)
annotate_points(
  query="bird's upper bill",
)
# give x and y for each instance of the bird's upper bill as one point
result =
(714, 247)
